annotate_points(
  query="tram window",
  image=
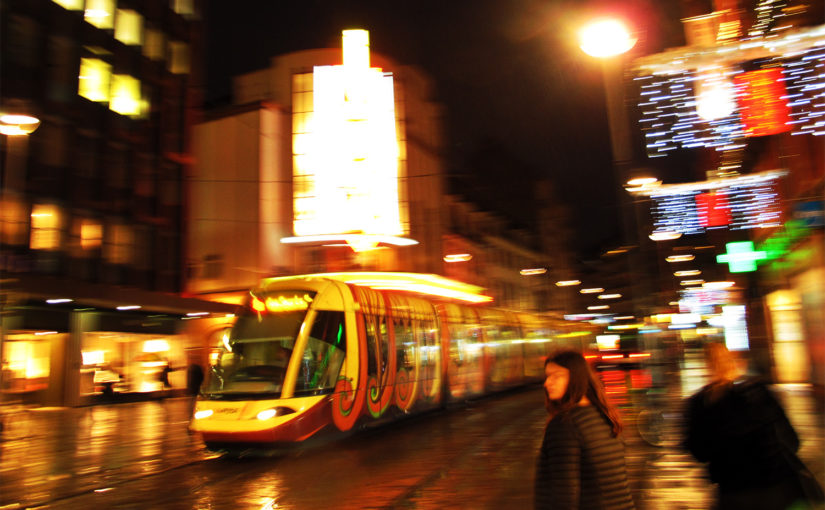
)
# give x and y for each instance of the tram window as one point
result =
(324, 354)
(404, 343)
(378, 342)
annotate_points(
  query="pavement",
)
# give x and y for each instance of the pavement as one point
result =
(51, 455)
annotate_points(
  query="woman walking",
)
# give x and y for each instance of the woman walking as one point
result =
(581, 464)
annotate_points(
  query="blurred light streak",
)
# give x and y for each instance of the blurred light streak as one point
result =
(568, 283)
(680, 258)
(533, 271)
(592, 290)
(457, 257)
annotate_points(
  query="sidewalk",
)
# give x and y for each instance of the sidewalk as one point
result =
(50, 453)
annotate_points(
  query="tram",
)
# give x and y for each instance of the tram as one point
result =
(336, 352)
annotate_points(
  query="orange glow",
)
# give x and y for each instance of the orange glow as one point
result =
(762, 102)
(285, 304)
(612, 356)
(429, 284)
(640, 355)
(593, 290)
(258, 305)
(457, 257)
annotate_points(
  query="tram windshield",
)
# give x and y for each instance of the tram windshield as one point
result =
(254, 357)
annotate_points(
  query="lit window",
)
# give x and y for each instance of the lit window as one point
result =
(45, 229)
(13, 220)
(129, 27)
(125, 95)
(100, 13)
(93, 82)
(178, 57)
(185, 8)
(72, 5)
(91, 234)
(153, 44)
(119, 241)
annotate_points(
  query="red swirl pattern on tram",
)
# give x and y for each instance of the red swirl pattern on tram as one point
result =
(405, 390)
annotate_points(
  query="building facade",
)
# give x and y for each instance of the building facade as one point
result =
(248, 185)
(92, 200)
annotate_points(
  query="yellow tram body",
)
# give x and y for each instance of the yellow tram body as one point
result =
(338, 351)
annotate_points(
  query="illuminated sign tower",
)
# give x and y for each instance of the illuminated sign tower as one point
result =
(346, 155)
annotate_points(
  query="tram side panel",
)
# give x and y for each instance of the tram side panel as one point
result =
(463, 350)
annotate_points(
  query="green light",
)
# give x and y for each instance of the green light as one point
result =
(741, 257)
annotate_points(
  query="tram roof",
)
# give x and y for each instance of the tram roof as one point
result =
(421, 283)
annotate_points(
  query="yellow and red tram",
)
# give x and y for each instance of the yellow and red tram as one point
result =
(338, 351)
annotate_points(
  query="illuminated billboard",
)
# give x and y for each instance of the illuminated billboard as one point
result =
(346, 154)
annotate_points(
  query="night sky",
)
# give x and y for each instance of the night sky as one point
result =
(522, 102)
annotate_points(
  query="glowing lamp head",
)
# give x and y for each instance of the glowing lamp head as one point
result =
(12, 125)
(606, 38)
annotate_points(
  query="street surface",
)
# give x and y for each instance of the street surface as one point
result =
(140, 455)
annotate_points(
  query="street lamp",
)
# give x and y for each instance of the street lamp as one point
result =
(16, 127)
(12, 124)
(608, 39)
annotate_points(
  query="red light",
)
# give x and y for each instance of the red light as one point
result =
(713, 209)
(591, 356)
(762, 103)
(612, 356)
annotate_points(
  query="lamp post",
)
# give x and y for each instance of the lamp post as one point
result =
(16, 127)
(609, 39)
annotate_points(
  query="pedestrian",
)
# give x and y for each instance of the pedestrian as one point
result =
(194, 379)
(737, 426)
(581, 464)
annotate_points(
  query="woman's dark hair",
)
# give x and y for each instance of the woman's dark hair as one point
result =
(583, 383)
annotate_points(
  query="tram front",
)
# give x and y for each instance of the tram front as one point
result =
(274, 373)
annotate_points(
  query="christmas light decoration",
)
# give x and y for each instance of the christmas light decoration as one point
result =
(683, 93)
(751, 202)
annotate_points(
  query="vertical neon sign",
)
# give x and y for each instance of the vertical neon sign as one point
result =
(351, 150)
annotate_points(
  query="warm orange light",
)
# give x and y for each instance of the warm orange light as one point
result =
(609, 296)
(680, 258)
(533, 271)
(612, 356)
(457, 257)
(258, 305)
(429, 284)
(665, 236)
(640, 355)
(606, 38)
(688, 272)
(592, 290)
(568, 283)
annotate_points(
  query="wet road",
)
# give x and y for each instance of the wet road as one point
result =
(140, 455)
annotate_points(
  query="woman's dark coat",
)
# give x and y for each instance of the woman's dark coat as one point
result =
(581, 464)
(743, 434)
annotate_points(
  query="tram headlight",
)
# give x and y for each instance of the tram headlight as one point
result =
(271, 413)
(267, 414)
(203, 413)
